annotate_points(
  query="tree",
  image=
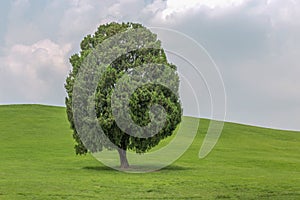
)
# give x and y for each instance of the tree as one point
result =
(151, 123)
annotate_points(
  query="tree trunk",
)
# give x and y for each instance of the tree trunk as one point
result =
(123, 159)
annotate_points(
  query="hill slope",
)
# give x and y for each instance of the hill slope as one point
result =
(38, 162)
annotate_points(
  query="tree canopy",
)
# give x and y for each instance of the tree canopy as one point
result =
(136, 100)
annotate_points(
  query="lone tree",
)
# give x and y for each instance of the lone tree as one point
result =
(140, 101)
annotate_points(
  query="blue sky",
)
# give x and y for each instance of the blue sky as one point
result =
(255, 44)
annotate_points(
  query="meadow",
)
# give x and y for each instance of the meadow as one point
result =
(38, 162)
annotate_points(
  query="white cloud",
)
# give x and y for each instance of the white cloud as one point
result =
(34, 72)
(83, 17)
(254, 42)
(256, 46)
(175, 7)
(183, 5)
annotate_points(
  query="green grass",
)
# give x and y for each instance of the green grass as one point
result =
(38, 162)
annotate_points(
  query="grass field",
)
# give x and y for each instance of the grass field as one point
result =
(38, 162)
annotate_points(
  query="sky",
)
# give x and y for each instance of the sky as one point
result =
(255, 45)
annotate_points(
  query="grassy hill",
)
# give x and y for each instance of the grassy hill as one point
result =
(38, 162)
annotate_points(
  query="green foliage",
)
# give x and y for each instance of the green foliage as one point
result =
(140, 101)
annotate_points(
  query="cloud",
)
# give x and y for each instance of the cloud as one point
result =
(255, 43)
(175, 7)
(83, 17)
(34, 73)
